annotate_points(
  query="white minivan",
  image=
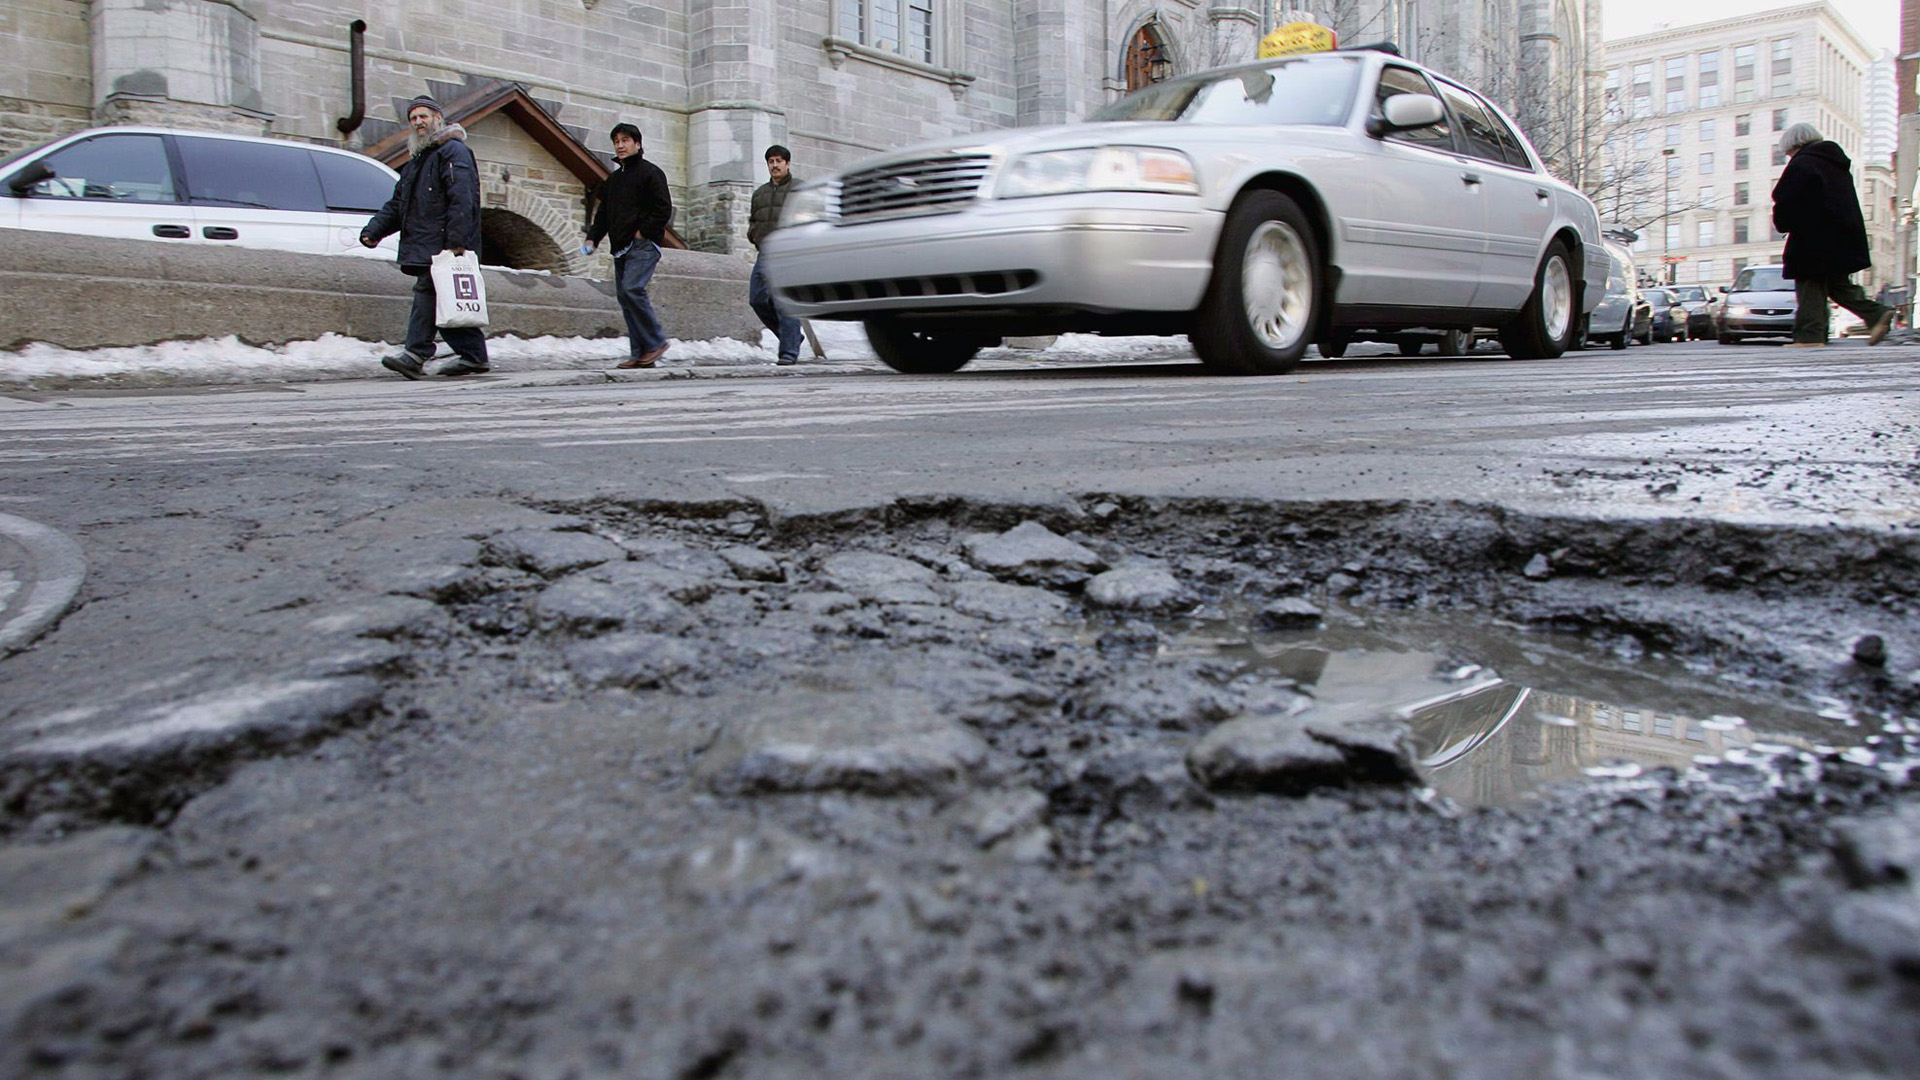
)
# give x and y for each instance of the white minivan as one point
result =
(197, 187)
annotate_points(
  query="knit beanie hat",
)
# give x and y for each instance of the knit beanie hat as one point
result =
(423, 99)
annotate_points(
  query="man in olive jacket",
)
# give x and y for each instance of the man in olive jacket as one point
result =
(435, 207)
(635, 207)
(1816, 205)
(768, 200)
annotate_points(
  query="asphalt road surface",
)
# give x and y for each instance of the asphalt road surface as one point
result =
(955, 725)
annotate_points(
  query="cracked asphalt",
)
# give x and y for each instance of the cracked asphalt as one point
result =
(892, 726)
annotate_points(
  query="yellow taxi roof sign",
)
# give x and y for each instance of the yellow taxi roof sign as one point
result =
(1297, 37)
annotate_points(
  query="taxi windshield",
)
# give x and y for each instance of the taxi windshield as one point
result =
(1304, 91)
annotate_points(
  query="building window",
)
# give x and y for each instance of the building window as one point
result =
(1673, 134)
(1709, 79)
(1740, 194)
(1148, 60)
(1673, 235)
(1641, 139)
(1676, 84)
(896, 26)
(1706, 234)
(1779, 119)
(1642, 90)
(1706, 131)
(1706, 270)
(1741, 162)
(1783, 67)
(1673, 167)
(1738, 265)
(1706, 197)
(1706, 164)
(1779, 156)
(1743, 57)
(1743, 124)
(1740, 227)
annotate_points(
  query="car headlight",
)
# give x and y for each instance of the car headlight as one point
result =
(1099, 168)
(1739, 309)
(804, 206)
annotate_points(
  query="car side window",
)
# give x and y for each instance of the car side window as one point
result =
(1399, 80)
(227, 172)
(1477, 137)
(352, 185)
(1510, 145)
(120, 168)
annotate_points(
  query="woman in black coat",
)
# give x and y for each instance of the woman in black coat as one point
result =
(1816, 205)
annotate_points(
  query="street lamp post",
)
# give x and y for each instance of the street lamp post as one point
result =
(1666, 220)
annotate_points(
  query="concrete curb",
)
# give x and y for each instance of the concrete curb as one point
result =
(55, 569)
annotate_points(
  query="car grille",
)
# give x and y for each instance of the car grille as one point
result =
(941, 185)
(1772, 310)
(993, 283)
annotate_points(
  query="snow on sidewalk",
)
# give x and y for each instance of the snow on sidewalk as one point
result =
(221, 361)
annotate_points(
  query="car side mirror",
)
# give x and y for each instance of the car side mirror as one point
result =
(28, 176)
(1723, 288)
(1403, 111)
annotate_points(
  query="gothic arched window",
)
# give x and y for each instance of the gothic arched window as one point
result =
(1148, 60)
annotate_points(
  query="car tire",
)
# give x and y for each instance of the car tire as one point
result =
(1456, 342)
(1334, 346)
(1262, 327)
(920, 352)
(1729, 339)
(1646, 338)
(1619, 340)
(1410, 346)
(1545, 324)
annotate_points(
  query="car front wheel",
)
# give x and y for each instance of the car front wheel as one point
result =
(1264, 303)
(1619, 340)
(921, 352)
(1544, 326)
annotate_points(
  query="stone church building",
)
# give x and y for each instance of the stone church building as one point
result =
(711, 83)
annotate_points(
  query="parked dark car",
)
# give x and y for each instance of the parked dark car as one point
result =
(1669, 315)
(1623, 314)
(1702, 320)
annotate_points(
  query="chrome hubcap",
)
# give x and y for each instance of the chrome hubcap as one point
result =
(1556, 298)
(1276, 284)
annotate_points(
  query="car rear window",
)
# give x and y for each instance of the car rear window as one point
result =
(350, 184)
(1316, 91)
(1761, 279)
(228, 172)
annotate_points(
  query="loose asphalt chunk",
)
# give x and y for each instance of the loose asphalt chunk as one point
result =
(882, 742)
(1032, 553)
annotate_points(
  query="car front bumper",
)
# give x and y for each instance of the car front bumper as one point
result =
(1757, 324)
(1106, 253)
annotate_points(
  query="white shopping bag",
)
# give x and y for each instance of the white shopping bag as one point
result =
(459, 293)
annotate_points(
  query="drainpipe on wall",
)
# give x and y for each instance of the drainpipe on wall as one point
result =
(357, 37)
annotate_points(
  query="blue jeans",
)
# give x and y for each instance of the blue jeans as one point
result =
(785, 326)
(468, 341)
(631, 272)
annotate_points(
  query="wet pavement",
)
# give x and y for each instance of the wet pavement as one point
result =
(1070, 722)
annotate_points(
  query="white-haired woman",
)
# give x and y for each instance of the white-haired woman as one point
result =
(1816, 205)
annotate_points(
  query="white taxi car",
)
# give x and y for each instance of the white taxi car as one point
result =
(199, 188)
(1259, 208)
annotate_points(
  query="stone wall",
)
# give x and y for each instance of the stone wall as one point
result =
(46, 80)
(84, 292)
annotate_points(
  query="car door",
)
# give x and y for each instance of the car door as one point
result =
(111, 184)
(1519, 204)
(254, 194)
(355, 188)
(1416, 237)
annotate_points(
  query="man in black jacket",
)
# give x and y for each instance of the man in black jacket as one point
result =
(635, 207)
(435, 207)
(1816, 205)
(764, 214)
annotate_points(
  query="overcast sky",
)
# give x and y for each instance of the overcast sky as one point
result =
(1877, 21)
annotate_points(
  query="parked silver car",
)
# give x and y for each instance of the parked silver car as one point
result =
(1760, 303)
(1259, 208)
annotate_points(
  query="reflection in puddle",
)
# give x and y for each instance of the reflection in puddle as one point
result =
(1483, 739)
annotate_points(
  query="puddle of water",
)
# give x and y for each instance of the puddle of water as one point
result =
(1501, 716)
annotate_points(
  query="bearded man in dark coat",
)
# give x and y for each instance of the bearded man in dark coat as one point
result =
(435, 207)
(1816, 205)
